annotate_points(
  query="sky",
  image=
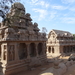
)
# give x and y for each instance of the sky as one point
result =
(52, 14)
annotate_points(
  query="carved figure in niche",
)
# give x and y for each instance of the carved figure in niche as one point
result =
(11, 53)
(5, 53)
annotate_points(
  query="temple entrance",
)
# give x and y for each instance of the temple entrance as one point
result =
(40, 51)
(49, 49)
(32, 50)
(22, 51)
(52, 50)
(64, 49)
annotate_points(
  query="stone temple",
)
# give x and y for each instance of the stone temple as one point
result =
(21, 44)
(60, 42)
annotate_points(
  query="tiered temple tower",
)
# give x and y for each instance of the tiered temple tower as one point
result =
(21, 44)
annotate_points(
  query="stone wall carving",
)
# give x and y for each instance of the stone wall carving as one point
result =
(11, 53)
(5, 52)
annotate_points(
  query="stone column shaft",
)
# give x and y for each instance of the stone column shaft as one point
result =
(28, 53)
(16, 47)
(44, 48)
(47, 49)
(36, 49)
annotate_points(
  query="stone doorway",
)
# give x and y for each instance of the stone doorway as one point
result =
(32, 50)
(52, 50)
(49, 49)
(40, 51)
(64, 51)
(22, 51)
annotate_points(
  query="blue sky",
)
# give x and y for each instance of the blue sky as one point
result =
(52, 14)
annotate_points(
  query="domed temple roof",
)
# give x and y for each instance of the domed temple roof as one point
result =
(18, 6)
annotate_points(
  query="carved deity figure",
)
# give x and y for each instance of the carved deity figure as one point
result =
(11, 53)
(5, 53)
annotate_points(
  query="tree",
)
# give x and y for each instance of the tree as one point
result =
(44, 30)
(5, 6)
(74, 36)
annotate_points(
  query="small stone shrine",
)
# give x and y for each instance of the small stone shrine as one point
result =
(59, 43)
(21, 44)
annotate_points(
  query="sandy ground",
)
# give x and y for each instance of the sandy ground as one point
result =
(71, 70)
(40, 69)
(37, 70)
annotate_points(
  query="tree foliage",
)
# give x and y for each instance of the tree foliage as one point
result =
(74, 36)
(44, 30)
(5, 6)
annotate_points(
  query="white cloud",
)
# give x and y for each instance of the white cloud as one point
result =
(34, 1)
(68, 1)
(58, 7)
(72, 9)
(52, 15)
(42, 13)
(69, 20)
(42, 3)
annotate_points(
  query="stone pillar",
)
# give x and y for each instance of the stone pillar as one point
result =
(36, 49)
(16, 47)
(28, 53)
(47, 49)
(2, 54)
(61, 49)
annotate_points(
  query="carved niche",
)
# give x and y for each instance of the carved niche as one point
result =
(5, 52)
(11, 53)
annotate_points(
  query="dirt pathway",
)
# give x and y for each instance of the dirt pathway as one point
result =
(37, 70)
(71, 70)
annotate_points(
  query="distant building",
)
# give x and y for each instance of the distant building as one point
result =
(60, 42)
(21, 44)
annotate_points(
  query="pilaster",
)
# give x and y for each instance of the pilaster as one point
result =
(36, 49)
